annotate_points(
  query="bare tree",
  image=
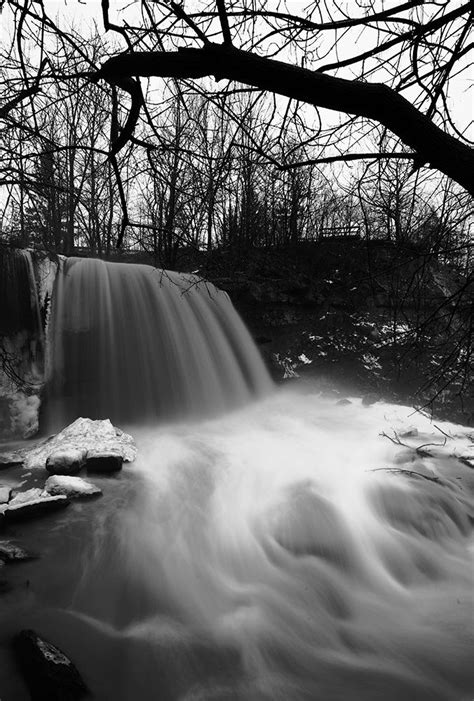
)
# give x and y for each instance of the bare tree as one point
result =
(418, 52)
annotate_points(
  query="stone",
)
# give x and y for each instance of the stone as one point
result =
(408, 432)
(33, 502)
(28, 495)
(64, 461)
(71, 487)
(104, 462)
(370, 398)
(84, 435)
(9, 552)
(48, 672)
(343, 402)
(10, 460)
(5, 493)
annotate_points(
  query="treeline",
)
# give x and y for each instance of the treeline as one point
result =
(236, 170)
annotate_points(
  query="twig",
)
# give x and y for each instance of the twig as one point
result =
(410, 473)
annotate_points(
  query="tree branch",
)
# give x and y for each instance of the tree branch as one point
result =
(416, 33)
(22, 95)
(182, 15)
(352, 157)
(224, 20)
(320, 26)
(371, 100)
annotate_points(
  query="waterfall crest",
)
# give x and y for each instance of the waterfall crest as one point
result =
(133, 343)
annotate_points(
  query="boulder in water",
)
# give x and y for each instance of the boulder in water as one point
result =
(103, 461)
(370, 398)
(71, 487)
(66, 461)
(48, 672)
(408, 432)
(33, 502)
(84, 435)
(9, 552)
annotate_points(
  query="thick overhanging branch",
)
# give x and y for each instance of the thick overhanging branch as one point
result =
(14, 102)
(370, 100)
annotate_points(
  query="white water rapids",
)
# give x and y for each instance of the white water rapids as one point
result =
(276, 537)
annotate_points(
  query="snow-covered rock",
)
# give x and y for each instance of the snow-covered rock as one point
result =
(32, 502)
(86, 435)
(29, 495)
(66, 461)
(10, 460)
(71, 487)
(408, 432)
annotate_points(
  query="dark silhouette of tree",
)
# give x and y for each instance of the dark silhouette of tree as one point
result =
(409, 58)
(413, 53)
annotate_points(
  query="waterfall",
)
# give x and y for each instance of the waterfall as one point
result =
(134, 343)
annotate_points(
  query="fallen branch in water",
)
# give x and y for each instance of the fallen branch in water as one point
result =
(411, 473)
(418, 450)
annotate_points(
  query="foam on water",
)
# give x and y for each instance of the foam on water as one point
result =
(291, 537)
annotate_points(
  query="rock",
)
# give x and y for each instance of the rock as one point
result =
(48, 672)
(66, 461)
(5, 493)
(29, 495)
(84, 435)
(71, 487)
(370, 398)
(10, 460)
(105, 462)
(343, 402)
(9, 552)
(408, 432)
(33, 502)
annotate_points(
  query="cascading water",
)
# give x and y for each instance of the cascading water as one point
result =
(286, 551)
(133, 343)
